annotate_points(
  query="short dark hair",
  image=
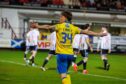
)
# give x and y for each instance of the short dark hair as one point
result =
(85, 26)
(105, 26)
(67, 14)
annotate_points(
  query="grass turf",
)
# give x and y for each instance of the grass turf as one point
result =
(14, 71)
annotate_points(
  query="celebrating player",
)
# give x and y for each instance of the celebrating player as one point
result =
(65, 33)
(104, 45)
(52, 39)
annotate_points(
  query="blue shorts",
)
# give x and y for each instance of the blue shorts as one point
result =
(84, 53)
(62, 62)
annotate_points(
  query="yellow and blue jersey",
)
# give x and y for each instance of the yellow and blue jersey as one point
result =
(65, 33)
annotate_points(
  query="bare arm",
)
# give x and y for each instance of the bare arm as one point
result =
(45, 26)
(88, 32)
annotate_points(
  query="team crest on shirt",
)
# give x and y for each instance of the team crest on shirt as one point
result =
(67, 25)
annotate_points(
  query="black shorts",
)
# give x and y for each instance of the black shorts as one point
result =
(84, 53)
(75, 49)
(52, 52)
(104, 51)
(34, 48)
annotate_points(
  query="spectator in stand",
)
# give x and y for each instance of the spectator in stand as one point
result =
(68, 2)
(57, 2)
(104, 5)
(22, 2)
(2, 0)
(119, 5)
(83, 3)
(75, 2)
(33, 1)
(112, 4)
(92, 3)
(14, 2)
(98, 4)
(43, 2)
(87, 3)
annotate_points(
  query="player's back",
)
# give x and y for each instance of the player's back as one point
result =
(52, 37)
(76, 41)
(106, 41)
(65, 33)
(33, 37)
(83, 43)
(27, 40)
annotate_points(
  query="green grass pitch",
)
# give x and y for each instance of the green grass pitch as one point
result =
(14, 71)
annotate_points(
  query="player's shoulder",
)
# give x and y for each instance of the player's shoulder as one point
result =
(86, 36)
(59, 24)
(73, 26)
(36, 30)
(109, 34)
(29, 32)
(78, 35)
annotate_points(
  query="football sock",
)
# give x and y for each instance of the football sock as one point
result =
(66, 80)
(45, 62)
(105, 63)
(84, 65)
(74, 59)
(32, 59)
(79, 63)
(24, 55)
(69, 79)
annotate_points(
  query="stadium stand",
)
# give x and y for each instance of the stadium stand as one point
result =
(105, 5)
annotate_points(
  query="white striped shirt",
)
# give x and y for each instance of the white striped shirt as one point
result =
(76, 41)
(33, 37)
(27, 42)
(83, 43)
(52, 39)
(104, 42)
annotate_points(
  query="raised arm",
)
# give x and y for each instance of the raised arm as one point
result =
(88, 32)
(45, 26)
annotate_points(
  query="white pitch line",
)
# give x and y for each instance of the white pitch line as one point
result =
(12, 62)
(108, 77)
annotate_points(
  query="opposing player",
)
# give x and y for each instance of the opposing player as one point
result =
(104, 45)
(32, 37)
(65, 33)
(52, 39)
(27, 45)
(76, 43)
(84, 44)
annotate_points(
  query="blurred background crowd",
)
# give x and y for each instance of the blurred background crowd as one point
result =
(74, 4)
